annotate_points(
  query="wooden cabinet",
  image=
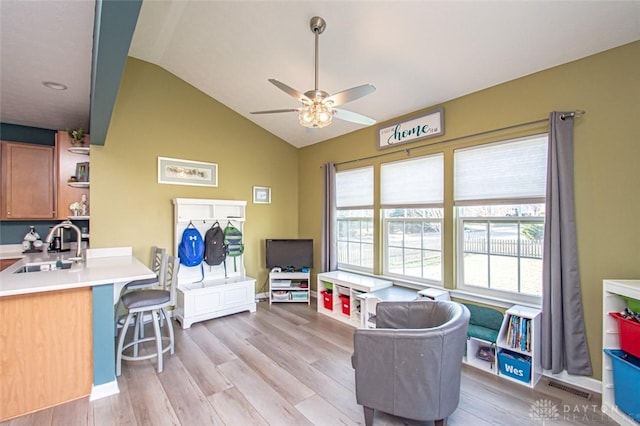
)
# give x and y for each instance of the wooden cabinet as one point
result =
(28, 181)
(67, 157)
(47, 357)
(5, 263)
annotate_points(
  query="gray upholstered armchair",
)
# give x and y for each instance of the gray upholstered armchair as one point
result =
(410, 365)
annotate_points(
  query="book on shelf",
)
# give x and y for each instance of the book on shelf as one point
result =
(519, 333)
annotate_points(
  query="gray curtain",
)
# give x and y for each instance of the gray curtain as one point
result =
(328, 257)
(564, 342)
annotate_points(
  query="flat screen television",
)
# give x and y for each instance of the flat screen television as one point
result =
(290, 255)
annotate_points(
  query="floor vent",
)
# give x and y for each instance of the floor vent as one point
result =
(574, 391)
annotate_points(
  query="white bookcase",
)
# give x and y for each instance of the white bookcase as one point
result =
(206, 292)
(525, 345)
(289, 287)
(613, 302)
(344, 303)
(473, 346)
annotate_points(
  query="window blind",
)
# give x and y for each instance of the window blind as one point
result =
(509, 170)
(354, 188)
(417, 181)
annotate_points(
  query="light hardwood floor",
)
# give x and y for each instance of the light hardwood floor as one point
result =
(287, 365)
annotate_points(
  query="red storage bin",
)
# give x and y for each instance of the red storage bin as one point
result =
(629, 334)
(346, 304)
(327, 298)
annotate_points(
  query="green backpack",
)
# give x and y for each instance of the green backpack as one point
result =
(233, 243)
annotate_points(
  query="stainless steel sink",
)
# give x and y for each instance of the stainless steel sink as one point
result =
(45, 266)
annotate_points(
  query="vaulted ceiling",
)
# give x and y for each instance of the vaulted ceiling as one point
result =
(416, 53)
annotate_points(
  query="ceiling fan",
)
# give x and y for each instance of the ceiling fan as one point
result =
(318, 107)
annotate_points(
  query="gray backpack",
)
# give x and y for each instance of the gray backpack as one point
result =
(215, 250)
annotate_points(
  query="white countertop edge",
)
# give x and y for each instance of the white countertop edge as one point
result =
(56, 287)
(91, 272)
(11, 251)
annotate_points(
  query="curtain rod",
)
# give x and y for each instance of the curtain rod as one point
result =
(576, 113)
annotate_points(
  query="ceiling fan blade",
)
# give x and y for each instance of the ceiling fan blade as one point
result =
(349, 95)
(353, 117)
(290, 90)
(273, 111)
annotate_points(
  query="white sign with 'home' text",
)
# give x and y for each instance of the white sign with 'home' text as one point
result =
(425, 126)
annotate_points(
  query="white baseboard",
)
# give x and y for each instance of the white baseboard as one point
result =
(104, 390)
(583, 382)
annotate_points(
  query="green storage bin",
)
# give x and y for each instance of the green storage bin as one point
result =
(328, 286)
(632, 304)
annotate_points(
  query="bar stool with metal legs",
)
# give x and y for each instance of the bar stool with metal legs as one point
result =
(157, 257)
(154, 302)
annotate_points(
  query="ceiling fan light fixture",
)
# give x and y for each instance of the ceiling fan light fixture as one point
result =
(318, 106)
(315, 116)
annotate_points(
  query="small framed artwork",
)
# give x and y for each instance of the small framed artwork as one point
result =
(186, 172)
(261, 195)
(82, 172)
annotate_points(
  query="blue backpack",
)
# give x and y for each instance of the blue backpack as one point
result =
(191, 248)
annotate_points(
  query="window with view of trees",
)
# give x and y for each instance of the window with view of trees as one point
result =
(499, 194)
(354, 203)
(411, 200)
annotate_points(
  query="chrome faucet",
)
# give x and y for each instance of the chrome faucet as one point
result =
(65, 224)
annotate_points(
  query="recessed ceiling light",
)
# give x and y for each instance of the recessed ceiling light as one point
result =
(55, 86)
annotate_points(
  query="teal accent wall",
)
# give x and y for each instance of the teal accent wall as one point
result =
(13, 232)
(16, 133)
(115, 22)
(104, 346)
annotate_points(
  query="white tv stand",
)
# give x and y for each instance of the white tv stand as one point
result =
(289, 287)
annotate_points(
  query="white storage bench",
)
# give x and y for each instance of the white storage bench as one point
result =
(209, 292)
(213, 299)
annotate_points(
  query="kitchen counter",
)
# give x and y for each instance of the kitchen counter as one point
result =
(9, 254)
(11, 251)
(88, 273)
(58, 331)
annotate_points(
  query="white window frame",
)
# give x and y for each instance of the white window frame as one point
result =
(362, 203)
(385, 249)
(356, 266)
(459, 233)
(493, 292)
(431, 196)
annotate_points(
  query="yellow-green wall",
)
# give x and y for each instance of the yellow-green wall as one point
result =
(607, 169)
(158, 115)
